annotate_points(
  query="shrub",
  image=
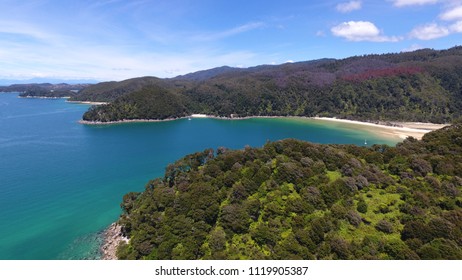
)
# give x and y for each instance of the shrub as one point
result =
(384, 226)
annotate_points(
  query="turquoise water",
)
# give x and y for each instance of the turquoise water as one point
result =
(61, 182)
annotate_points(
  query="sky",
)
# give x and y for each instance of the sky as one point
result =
(119, 39)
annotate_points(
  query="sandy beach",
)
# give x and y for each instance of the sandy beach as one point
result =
(393, 130)
(88, 102)
(400, 130)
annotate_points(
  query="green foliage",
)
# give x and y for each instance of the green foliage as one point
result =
(421, 86)
(362, 206)
(296, 200)
(110, 91)
(46, 90)
(384, 226)
(148, 103)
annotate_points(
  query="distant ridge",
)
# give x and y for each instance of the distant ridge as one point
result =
(203, 75)
(45, 90)
(207, 74)
(424, 86)
(7, 82)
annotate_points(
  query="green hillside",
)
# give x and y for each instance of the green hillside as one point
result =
(424, 85)
(149, 103)
(110, 91)
(297, 200)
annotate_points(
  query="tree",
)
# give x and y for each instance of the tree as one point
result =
(384, 226)
(234, 219)
(362, 206)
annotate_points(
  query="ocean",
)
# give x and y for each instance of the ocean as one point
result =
(61, 182)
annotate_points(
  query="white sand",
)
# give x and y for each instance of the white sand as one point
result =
(199, 116)
(395, 131)
(400, 130)
(88, 102)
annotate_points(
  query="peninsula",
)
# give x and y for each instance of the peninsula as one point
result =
(297, 200)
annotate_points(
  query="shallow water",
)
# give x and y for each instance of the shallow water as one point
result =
(61, 182)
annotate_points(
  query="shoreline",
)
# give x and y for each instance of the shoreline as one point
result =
(44, 97)
(129, 121)
(394, 130)
(112, 237)
(390, 129)
(193, 116)
(65, 97)
(88, 102)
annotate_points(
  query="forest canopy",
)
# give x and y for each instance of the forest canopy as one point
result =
(424, 85)
(292, 199)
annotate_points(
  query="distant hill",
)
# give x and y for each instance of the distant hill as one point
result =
(207, 74)
(45, 89)
(7, 82)
(152, 102)
(425, 85)
(109, 91)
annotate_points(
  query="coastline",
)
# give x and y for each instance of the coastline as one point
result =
(395, 130)
(129, 121)
(88, 102)
(65, 97)
(392, 129)
(192, 116)
(44, 97)
(112, 238)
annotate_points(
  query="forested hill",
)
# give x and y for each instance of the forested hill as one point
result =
(424, 85)
(45, 89)
(297, 200)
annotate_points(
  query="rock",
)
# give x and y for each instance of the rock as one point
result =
(112, 238)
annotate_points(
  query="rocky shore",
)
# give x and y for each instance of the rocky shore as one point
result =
(112, 238)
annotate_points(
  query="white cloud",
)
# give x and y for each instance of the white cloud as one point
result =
(230, 32)
(109, 62)
(402, 3)
(320, 33)
(452, 14)
(429, 31)
(456, 27)
(412, 48)
(25, 29)
(242, 28)
(349, 6)
(361, 31)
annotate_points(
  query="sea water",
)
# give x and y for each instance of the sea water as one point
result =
(61, 182)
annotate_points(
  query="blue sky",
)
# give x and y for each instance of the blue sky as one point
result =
(115, 39)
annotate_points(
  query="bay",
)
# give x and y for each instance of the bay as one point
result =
(61, 182)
